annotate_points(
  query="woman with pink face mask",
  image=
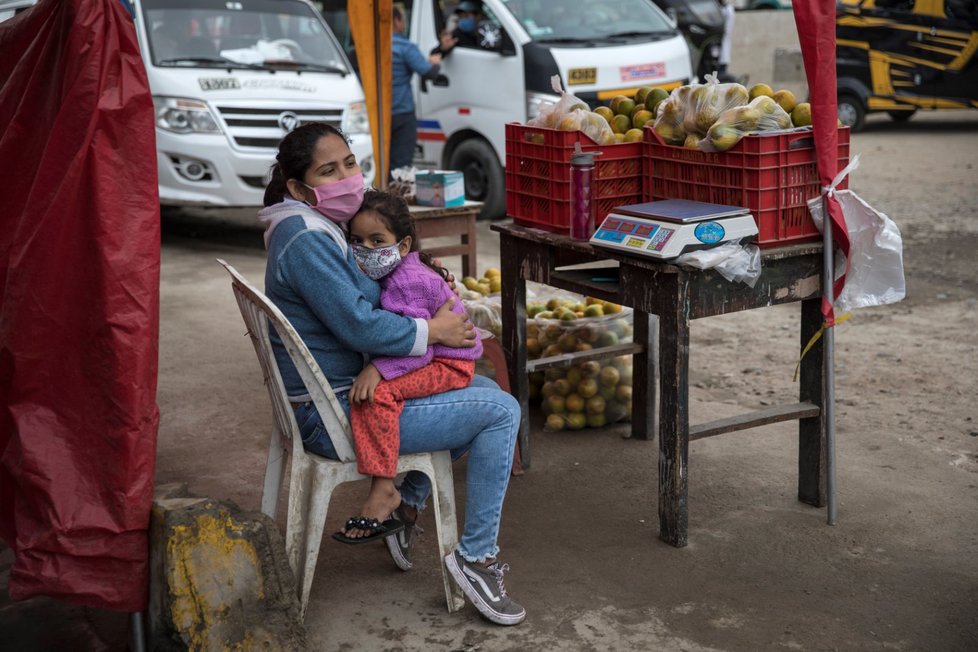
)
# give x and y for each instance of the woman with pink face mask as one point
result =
(312, 276)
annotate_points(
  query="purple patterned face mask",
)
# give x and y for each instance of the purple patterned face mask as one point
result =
(378, 262)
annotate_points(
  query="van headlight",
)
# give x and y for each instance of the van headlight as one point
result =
(182, 116)
(355, 119)
(536, 100)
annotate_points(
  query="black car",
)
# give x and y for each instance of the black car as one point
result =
(701, 22)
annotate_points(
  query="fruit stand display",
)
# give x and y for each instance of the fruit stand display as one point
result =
(712, 142)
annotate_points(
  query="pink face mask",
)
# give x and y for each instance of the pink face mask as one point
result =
(341, 200)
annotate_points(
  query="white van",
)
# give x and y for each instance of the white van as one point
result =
(229, 79)
(599, 49)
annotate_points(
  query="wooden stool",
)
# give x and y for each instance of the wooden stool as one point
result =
(493, 352)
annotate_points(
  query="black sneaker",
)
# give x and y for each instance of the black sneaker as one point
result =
(484, 589)
(399, 545)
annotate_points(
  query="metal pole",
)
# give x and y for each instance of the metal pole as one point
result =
(381, 141)
(828, 341)
(138, 642)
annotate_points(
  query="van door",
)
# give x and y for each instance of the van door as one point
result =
(461, 123)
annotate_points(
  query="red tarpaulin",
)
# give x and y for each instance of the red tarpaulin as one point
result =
(815, 20)
(79, 304)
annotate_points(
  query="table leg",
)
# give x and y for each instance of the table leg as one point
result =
(514, 334)
(469, 267)
(645, 371)
(811, 389)
(674, 408)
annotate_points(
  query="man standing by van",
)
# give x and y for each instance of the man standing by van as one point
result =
(406, 60)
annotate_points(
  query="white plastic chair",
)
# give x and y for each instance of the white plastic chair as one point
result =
(314, 478)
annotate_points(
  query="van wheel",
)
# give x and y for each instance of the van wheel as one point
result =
(483, 176)
(851, 112)
(902, 116)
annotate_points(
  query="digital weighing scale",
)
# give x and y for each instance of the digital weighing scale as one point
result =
(665, 229)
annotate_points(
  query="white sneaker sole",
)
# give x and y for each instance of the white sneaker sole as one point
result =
(476, 599)
(394, 548)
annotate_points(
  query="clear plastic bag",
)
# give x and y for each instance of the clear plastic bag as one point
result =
(485, 312)
(550, 114)
(760, 115)
(708, 101)
(671, 115)
(733, 261)
(875, 276)
(403, 184)
(587, 394)
(573, 114)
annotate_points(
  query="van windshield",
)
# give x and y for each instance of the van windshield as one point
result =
(240, 33)
(569, 21)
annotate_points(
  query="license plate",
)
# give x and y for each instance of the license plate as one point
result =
(577, 76)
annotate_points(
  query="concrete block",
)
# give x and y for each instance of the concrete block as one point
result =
(219, 578)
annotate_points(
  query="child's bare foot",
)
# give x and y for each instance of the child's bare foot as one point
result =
(381, 501)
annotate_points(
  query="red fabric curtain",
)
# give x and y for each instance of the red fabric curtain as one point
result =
(79, 304)
(815, 20)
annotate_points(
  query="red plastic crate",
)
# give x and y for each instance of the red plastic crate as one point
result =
(538, 175)
(773, 175)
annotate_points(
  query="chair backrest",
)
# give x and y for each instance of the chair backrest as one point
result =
(258, 313)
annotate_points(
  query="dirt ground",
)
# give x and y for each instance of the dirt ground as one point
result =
(762, 571)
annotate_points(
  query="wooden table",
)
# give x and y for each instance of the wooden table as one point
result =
(676, 295)
(431, 222)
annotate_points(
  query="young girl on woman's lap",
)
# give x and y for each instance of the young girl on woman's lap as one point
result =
(386, 247)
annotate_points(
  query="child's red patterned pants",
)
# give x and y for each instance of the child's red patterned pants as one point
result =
(376, 431)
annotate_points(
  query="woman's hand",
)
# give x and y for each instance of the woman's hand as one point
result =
(450, 329)
(364, 385)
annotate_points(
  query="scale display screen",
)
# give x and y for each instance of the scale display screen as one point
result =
(635, 234)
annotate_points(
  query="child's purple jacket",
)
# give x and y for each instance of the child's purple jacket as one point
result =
(415, 290)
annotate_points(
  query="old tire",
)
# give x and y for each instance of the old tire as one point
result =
(484, 180)
(851, 111)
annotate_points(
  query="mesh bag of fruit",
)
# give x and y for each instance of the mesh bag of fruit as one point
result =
(760, 115)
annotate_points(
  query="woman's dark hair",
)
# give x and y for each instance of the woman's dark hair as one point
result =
(394, 212)
(295, 156)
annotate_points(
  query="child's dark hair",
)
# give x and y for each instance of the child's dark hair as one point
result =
(295, 156)
(393, 210)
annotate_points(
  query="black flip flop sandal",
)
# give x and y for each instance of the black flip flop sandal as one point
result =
(377, 529)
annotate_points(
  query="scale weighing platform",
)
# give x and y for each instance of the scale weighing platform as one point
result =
(668, 228)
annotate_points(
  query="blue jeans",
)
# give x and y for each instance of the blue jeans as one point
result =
(404, 139)
(481, 420)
